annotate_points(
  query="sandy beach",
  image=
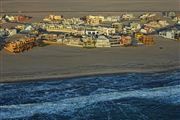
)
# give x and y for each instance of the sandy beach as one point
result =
(62, 61)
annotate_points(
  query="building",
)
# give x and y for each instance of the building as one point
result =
(3, 32)
(125, 41)
(128, 16)
(171, 34)
(59, 28)
(89, 42)
(91, 32)
(94, 20)
(73, 21)
(177, 19)
(76, 42)
(106, 30)
(147, 40)
(118, 27)
(12, 32)
(112, 19)
(146, 30)
(52, 18)
(115, 40)
(102, 41)
(135, 26)
(169, 14)
(21, 45)
(163, 23)
(148, 16)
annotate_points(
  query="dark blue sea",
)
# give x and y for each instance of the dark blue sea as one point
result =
(127, 96)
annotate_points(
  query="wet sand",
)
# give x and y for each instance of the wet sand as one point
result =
(62, 61)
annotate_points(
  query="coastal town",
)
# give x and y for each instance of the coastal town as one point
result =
(18, 33)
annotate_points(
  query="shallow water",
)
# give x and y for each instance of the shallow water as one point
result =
(128, 96)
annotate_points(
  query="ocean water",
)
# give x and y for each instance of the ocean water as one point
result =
(127, 96)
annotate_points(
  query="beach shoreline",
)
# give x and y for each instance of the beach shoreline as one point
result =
(61, 62)
(43, 77)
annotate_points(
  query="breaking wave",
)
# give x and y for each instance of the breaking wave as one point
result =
(128, 96)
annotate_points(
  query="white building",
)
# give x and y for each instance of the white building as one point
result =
(128, 16)
(91, 32)
(106, 30)
(12, 32)
(112, 19)
(173, 34)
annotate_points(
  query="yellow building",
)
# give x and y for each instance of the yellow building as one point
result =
(94, 20)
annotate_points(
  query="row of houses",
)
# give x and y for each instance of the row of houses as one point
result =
(7, 32)
(79, 26)
(97, 19)
(170, 34)
(16, 18)
(97, 41)
(75, 26)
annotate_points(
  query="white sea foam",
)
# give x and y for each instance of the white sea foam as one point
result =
(167, 94)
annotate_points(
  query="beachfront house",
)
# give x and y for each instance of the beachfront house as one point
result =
(128, 16)
(115, 40)
(149, 16)
(72, 21)
(112, 19)
(171, 34)
(126, 41)
(106, 30)
(135, 26)
(102, 41)
(147, 40)
(94, 20)
(169, 14)
(2, 32)
(88, 41)
(27, 29)
(163, 23)
(177, 19)
(147, 29)
(91, 32)
(71, 41)
(118, 26)
(12, 32)
(9, 18)
(52, 18)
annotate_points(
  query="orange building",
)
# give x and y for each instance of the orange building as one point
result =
(125, 41)
(21, 45)
(147, 40)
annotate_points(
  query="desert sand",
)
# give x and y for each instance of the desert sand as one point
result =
(89, 5)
